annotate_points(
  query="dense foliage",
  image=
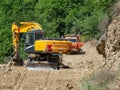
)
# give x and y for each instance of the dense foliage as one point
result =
(58, 17)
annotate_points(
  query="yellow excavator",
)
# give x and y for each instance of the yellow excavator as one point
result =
(38, 48)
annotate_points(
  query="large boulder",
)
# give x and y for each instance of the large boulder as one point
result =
(101, 45)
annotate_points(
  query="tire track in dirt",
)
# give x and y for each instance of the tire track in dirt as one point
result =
(47, 78)
(20, 81)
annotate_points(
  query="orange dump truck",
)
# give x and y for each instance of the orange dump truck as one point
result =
(76, 43)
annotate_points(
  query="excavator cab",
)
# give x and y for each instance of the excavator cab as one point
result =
(31, 37)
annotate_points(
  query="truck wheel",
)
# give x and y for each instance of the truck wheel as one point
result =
(59, 62)
(78, 51)
(58, 66)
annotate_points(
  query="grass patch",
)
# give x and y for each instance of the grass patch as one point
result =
(98, 80)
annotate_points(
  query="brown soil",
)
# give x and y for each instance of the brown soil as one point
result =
(19, 78)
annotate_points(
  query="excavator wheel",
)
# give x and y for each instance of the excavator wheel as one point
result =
(56, 60)
(59, 61)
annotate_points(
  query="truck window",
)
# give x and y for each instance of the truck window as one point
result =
(72, 40)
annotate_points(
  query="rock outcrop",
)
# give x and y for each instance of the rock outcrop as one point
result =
(112, 46)
(109, 44)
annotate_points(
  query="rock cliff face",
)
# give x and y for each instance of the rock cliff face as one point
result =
(112, 45)
(109, 44)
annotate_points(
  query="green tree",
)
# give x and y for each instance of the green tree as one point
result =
(57, 17)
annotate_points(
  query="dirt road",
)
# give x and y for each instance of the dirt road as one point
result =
(19, 78)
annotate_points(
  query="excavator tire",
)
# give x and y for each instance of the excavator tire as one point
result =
(56, 59)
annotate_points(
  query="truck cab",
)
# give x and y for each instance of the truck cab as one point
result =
(76, 43)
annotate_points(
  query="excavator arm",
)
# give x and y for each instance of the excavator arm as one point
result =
(16, 30)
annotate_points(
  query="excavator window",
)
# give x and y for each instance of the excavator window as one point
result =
(34, 35)
(38, 35)
(29, 38)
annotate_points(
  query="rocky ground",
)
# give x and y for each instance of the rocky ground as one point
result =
(81, 66)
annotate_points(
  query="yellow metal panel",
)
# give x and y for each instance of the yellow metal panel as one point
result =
(57, 46)
(40, 45)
